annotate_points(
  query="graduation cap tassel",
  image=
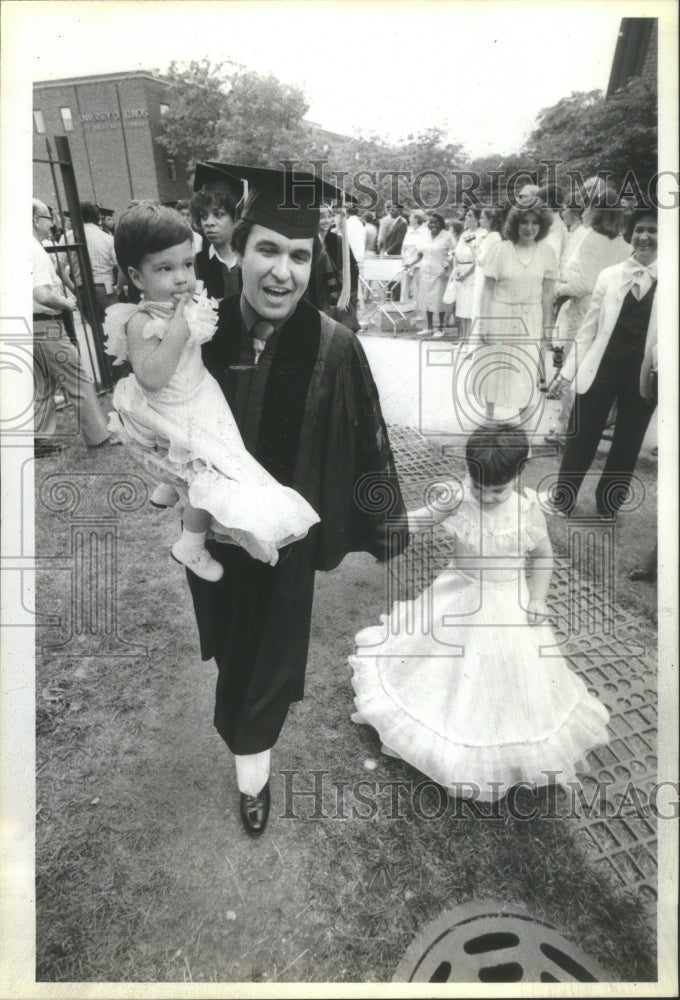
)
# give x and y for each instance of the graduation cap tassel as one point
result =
(343, 300)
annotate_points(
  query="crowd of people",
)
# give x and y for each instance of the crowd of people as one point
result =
(250, 399)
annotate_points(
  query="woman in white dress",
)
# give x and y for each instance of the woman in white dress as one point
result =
(490, 222)
(433, 256)
(517, 301)
(409, 254)
(464, 261)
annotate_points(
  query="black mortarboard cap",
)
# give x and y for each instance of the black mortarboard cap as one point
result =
(209, 177)
(286, 201)
(105, 211)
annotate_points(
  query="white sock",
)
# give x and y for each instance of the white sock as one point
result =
(252, 771)
(193, 539)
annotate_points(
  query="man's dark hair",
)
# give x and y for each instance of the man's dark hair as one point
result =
(495, 455)
(243, 229)
(89, 212)
(148, 228)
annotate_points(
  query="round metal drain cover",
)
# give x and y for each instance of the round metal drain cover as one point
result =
(491, 942)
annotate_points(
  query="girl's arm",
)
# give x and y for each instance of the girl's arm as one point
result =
(542, 565)
(425, 517)
(154, 362)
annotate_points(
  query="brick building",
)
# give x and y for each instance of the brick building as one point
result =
(112, 123)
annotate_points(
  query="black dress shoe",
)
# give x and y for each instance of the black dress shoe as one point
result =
(42, 447)
(643, 573)
(255, 812)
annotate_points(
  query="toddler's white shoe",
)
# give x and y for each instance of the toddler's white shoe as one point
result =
(199, 561)
(164, 496)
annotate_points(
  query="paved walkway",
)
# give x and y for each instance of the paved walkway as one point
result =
(426, 384)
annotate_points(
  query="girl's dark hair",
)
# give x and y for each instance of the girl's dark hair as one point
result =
(148, 228)
(439, 219)
(637, 216)
(495, 455)
(519, 212)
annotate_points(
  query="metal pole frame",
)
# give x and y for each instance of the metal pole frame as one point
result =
(56, 250)
(65, 164)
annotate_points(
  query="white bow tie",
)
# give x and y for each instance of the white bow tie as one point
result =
(640, 276)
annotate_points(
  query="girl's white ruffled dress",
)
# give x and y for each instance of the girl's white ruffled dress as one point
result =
(458, 684)
(191, 433)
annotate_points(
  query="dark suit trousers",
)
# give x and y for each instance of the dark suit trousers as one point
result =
(617, 379)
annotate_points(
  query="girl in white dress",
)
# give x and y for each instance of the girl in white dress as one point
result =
(172, 414)
(466, 682)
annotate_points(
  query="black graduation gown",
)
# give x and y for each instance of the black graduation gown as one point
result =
(309, 412)
(318, 292)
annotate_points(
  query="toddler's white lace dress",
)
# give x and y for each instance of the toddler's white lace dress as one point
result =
(186, 434)
(457, 683)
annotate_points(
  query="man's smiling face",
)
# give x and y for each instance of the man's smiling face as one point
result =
(275, 272)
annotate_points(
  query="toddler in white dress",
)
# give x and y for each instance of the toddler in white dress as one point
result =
(171, 412)
(466, 682)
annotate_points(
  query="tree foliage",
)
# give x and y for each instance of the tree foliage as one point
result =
(588, 133)
(197, 101)
(263, 122)
(226, 112)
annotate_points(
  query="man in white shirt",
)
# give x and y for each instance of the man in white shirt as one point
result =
(356, 234)
(56, 362)
(102, 261)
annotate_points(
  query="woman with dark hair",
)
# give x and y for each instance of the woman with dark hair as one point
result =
(214, 212)
(517, 298)
(601, 247)
(433, 254)
(613, 361)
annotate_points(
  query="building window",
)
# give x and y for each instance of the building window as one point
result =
(164, 109)
(172, 169)
(67, 119)
(39, 122)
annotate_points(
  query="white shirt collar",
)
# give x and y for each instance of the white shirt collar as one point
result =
(212, 252)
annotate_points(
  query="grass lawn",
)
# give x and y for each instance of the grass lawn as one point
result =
(143, 872)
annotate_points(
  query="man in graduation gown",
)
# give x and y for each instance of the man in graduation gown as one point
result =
(302, 394)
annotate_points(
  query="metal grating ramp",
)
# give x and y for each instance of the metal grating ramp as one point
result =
(616, 819)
